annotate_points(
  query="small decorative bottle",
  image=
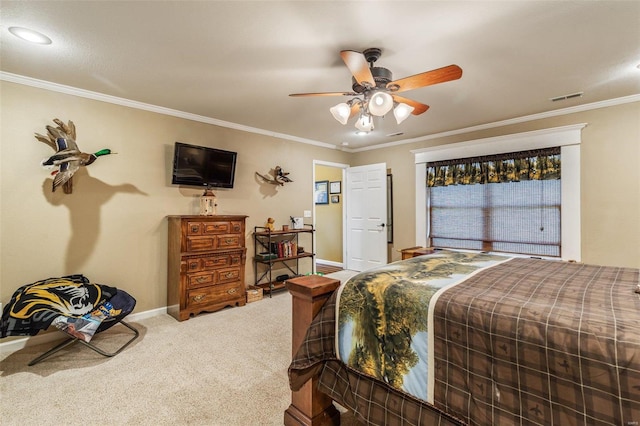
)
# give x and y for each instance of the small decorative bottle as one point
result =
(208, 203)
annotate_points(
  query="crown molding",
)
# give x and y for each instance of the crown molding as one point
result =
(69, 90)
(516, 120)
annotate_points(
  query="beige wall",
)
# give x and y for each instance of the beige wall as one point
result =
(610, 183)
(113, 227)
(329, 219)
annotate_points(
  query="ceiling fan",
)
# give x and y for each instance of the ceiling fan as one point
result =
(375, 93)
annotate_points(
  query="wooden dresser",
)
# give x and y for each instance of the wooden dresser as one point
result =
(206, 264)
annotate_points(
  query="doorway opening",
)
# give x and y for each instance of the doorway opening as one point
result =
(329, 215)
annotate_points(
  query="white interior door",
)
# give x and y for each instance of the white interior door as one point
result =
(366, 203)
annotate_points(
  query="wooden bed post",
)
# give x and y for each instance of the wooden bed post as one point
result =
(309, 407)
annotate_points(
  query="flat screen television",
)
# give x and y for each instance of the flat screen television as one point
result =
(202, 166)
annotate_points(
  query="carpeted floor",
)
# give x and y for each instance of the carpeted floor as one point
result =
(223, 368)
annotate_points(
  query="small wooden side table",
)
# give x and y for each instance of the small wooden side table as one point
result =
(408, 253)
(309, 407)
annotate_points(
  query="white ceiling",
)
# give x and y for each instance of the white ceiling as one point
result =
(237, 61)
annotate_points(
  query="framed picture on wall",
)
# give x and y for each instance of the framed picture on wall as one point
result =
(321, 194)
(335, 199)
(335, 187)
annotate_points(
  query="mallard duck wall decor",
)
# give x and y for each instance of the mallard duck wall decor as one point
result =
(280, 177)
(68, 158)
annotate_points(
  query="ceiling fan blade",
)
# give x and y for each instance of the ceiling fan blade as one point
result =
(418, 107)
(359, 67)
(325, 94)
(440, 75)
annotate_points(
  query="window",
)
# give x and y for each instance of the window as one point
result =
(568, 138)
(506, 203)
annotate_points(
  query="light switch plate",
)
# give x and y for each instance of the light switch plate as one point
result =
(307, 213)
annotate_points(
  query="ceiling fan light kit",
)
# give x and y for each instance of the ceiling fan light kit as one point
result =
(380, 103)
(341, 112)
(364, 123)
(378, 90)
(402, 111)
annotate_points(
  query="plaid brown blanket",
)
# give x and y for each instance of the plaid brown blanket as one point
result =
(525, 342)
(540, 343)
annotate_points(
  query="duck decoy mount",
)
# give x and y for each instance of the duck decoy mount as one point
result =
(280, 177)
(68, 157)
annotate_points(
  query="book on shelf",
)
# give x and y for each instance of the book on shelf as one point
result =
(286, 249)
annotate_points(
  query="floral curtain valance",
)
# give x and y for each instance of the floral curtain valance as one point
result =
(543, 164)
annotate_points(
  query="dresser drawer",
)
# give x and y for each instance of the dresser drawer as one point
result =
(207, 228)
(211, 295)
(214, 242)
(227, 275)
(236, 227)
(230, 241)
(213, 228)
(196, 244)
(214, 277)
(200, 279)
(206, 263)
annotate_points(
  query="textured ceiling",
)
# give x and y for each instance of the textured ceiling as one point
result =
(237, 61)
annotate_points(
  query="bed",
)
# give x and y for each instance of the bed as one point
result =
(458, 338)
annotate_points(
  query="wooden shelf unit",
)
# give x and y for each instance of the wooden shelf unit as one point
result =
(264, 240)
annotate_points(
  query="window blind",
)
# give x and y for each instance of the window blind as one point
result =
(505, 203)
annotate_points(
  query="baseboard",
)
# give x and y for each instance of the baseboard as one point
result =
(146, 314)
(22, 342)
(329, 263)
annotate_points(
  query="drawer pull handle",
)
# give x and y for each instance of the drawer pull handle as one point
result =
(201, 279)
(229, 241)
(229, 275)
(231, 290)
(198, 298)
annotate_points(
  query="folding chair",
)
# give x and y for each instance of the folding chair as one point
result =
(121, 301)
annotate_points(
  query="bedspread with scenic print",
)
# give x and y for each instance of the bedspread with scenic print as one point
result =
(459, 338)
(382, 315)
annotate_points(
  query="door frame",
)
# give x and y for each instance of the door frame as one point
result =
(343, 213)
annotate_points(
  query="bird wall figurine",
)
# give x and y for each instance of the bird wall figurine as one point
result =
(280, 177)
(68, 157)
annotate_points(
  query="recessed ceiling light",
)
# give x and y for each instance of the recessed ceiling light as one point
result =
(361, 133)
(30, 35)
(345, 143)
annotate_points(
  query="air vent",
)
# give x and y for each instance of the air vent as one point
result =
(390, 135)
(565, 97)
